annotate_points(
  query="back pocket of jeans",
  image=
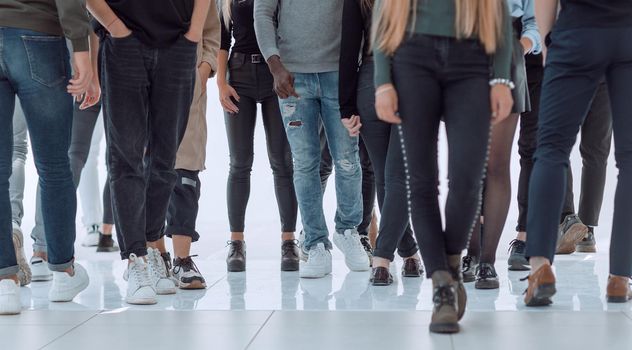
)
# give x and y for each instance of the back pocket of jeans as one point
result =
(46, 59)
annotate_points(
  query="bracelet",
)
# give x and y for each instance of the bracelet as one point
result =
(510, 84)
(381, 91)
(109, 25)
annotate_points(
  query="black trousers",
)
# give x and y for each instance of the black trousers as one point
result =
(382, 144)
(184, 205)
(148, 94)
(577, 61)
(435, 77)
(254, 84)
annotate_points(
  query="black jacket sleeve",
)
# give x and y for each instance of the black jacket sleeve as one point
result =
(350, 46)
(226, 35)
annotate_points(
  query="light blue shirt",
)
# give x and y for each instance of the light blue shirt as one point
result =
(525, 9)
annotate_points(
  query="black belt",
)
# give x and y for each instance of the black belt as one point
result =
(253, 58)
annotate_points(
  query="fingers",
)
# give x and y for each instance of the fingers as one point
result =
(228, 105)
(234, 94)
(79, 84)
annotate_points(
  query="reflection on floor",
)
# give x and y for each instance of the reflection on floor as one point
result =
(269, 301)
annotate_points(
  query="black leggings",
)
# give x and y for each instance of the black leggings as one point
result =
(435, 77)
(253, 83)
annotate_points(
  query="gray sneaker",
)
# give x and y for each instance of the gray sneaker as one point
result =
(588, 244)
(517, 256)
(571, 232)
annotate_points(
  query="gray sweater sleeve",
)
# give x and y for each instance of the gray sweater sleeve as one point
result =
(75, 23)
(265, 27)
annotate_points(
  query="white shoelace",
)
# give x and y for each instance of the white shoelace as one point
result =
(316, 254)
(138, 272)
(157, 265)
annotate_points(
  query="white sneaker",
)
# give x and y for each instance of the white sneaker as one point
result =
(9, 297)
(355, 255)
(160, 278)
(24, 274)
(140, 290)
(318, 263)
(92, 238)
(39, 268)
(66, 287)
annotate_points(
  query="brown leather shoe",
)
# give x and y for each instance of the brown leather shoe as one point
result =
(454, 263)
(541, 287)
(380, 276)
(236, 260)
(445, 318)
(618, 289)
(412, 268)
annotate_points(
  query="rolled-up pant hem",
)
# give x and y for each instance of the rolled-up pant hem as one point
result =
(9, 271)
(139, 252)
(182, 231)
(61, 267)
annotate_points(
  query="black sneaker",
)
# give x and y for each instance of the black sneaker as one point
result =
(106, 244)
(468, 268)
(381, 277)
(517, 256)
(236, 259)
(588, 244)
(187, 274)
(486, 277)
(289, 256)
(366, 244)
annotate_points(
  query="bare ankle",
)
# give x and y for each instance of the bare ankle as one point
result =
(381, 262)
(521, 236)
(537, 262)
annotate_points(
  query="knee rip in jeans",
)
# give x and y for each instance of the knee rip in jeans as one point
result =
(346, 165)
(288, 109)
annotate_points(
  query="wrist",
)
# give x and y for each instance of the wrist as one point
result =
(275, 65)
(500, 81)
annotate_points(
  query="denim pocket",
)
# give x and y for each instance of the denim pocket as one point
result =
(47, 59)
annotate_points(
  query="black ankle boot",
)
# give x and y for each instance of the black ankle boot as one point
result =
(236, 260)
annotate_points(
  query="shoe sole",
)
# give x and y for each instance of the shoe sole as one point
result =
(444, 328)
(618, 300)
(518, 267)
(166, 291)
(41, 278)
(193, 285)
(289, 266)
(412, 274)
(24, 273)
(107, 249)
(569, 240)
(543, 295)
(311, 274)
(75, 291)
(236, 267)
(586, 248)
(381, 283)
(468, 279)
(487, 285)
(141, 301)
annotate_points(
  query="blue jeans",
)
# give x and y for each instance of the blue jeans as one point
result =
(36, 68)
(319, 100)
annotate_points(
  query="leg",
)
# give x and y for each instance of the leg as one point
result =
(182, 212)
(280, 157)
(20, 149)
(89, 188)
(301, 122)
(368, 189)
(240, 130)
(326, 163)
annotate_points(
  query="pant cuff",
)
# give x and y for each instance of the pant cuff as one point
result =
(324, 240)
(182, 231)
(61, 267)
(9, 271)
(382, 255)
(155, 236)
(139, 252)
(407, 252)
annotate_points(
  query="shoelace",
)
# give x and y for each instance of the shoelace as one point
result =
(467, 263)
(139, 272)
(235, 246)
(157, 266)
(316, 253)
(186, 264)
(444, 295)
(517, 245)
(366, 244)
(288, 247)
(486, 271)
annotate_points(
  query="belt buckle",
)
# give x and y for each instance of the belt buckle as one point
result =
(256, 58)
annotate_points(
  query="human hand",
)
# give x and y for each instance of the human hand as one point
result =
(82, 74)
(353, 125)
(283, 79)
(386, 104)
(226, 94)
(501, 101)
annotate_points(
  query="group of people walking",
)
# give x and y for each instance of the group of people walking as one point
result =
(358, 85)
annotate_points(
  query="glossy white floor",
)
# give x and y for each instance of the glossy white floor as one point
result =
(266, 309)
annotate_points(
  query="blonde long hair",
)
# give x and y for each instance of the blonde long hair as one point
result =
(226, 12)
(481, 18)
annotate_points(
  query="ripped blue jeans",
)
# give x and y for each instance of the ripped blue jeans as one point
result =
(318, 103)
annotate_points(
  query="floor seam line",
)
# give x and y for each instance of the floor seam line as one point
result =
(72, 329)
(627, 315)
(259, 330)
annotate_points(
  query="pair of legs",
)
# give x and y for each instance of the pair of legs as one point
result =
(254, 84)
(302, 119)
(39, 80)
(577, 61)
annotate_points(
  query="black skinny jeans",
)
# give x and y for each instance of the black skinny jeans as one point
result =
(254, 84)
(576, 62)
(147, 97)
(435, 77)
(382, 144)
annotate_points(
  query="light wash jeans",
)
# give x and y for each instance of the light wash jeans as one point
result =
(318, 102)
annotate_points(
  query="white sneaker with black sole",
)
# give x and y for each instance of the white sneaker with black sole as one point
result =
(159, 274)
(187, 274)
(40, 270)
(66, 287)
(349, 243)
(24, 274)
(140, 290)
(317, 264)
(10, 297)
(92, 238)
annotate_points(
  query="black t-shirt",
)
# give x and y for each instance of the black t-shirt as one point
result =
(594, 13)
(157, 23)
(241, 27)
